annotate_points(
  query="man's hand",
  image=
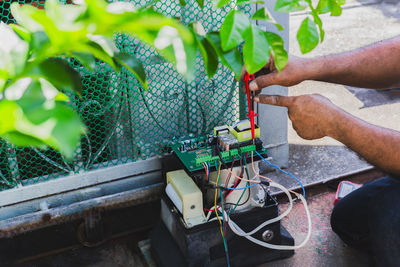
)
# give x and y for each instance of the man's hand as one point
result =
(293, 73)
(312, 116)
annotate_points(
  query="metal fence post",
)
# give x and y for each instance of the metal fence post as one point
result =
(273, 120)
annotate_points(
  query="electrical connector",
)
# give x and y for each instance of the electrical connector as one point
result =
(203, 159)
(246, 149)
(234, 152)
(225, 154)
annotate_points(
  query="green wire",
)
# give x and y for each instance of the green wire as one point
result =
(241, 196)
(237, 203)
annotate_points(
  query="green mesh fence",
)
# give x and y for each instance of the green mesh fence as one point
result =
(126, 123)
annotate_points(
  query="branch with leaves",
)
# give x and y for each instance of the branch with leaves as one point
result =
(34, 73)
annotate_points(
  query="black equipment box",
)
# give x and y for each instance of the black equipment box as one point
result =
(175, 245)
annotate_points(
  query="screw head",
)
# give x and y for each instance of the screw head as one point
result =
(192, 207)
(268, 235)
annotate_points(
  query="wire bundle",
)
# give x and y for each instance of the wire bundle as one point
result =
(222, 213)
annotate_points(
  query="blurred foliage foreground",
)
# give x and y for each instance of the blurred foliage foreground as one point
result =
(35, 77)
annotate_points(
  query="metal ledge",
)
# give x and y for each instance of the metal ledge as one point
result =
(79, 181)
(21, 224)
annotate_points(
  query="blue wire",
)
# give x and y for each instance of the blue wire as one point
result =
(285, 172)
(241, 188)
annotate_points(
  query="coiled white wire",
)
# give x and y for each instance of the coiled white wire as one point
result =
(237, 230)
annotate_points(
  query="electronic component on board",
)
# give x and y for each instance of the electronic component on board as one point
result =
(242, 130)
(221, 130)
(227, 142)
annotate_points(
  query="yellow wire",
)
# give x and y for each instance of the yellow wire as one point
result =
(215, 201)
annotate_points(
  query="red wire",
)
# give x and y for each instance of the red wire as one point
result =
(205, 168)
(246, 81)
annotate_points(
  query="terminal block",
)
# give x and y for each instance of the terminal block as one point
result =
(246, 149)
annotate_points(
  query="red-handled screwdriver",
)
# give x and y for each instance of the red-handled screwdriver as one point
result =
(250, 100)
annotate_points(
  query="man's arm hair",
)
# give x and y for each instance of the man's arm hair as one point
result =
(378, 145)
(314, 116)
(376, 66)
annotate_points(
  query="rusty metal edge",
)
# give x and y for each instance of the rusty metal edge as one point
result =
(33, 221)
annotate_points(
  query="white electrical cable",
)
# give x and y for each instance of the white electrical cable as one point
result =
(269, 221)
(237, 230)
(278, 218)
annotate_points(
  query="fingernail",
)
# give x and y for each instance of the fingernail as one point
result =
(257, 99)
(253, 86)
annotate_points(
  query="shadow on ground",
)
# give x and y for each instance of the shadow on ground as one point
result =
(390, 8)
(313, 164)
(372, 98)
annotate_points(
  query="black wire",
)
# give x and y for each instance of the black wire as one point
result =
(248, 195)
(151, 113)
(241, 204)
(230, 173)
(247, 200)
(227, 102)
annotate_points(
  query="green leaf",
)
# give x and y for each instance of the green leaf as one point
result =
(222, 3)
(235, 62)
(332, 6)
(31, 103)
(169, 43)
(23, 33)
(62, 130)
(318, 21)
(263, 14)
(7, 123)
(21, 139)
(3, 79)
(23, 16)
(191, 54)
(232, 58)
(133, 65)
(200, 3)
(59, 73)
(248, 2)
(209, 55)
(86, 59)
(67, 131)
(97, 51)
(182, 2)
(233, 29)
(36, 118)
(105, 43)
(40, 40)
(256, 49)
(277, 49)
(287, 6)
(13, 51)
(307, 36)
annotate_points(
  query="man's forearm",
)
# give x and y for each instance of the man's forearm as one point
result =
(376, 66)
(379, 146)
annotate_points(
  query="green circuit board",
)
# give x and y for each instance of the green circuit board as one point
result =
(196, 151)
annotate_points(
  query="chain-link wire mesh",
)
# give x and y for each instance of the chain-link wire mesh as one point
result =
(126, 123)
